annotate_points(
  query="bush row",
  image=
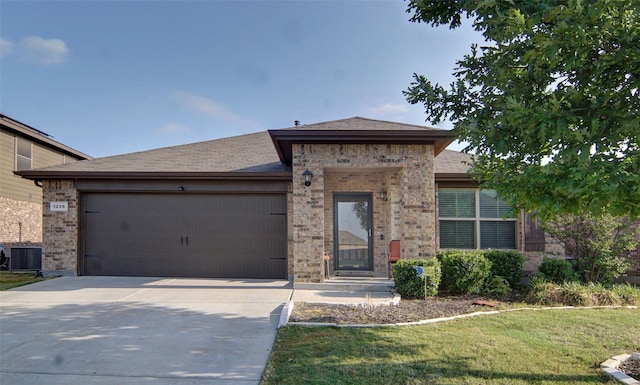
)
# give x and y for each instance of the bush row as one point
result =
(494, 272)
(576, 293)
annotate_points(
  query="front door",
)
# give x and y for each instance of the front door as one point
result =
(352, 214)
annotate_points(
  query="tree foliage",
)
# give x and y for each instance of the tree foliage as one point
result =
(597, 242)
(550, 105)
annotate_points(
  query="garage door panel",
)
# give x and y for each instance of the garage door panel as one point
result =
(200, 235)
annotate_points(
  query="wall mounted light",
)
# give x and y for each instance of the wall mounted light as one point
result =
(382, 194)
(307, 175)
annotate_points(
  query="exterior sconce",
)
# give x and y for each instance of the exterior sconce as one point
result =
(382, 194)
(307, 175)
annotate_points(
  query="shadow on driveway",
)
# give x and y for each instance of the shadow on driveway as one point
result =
(86, 330)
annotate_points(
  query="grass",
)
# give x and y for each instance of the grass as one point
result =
(526, 347)
(11, 280)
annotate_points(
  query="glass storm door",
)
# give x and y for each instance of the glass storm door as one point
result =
(352, 214)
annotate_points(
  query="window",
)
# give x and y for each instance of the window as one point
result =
(474, 219)
(23, 154)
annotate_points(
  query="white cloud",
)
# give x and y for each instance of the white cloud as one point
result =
(389, 109)
(174, 129)
(5, 47)
(44, 51)
(211, 108)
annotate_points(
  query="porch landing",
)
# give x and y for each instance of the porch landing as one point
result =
(347, 290)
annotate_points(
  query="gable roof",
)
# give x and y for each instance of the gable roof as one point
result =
(250, 156)
(38, 136)
(452, 162)
(357, 130)
(244, 156)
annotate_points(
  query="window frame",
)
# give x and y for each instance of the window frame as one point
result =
(477, 220)
(20, 156)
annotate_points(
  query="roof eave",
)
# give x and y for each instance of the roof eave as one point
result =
(452, 177)
(283, 139)
(153, 175)
(15, 126)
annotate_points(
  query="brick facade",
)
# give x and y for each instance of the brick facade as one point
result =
(409, 213)
(405, 171)
(532, 259)
(634, 255)
(20, 222)
(633, 275)
(60, 229)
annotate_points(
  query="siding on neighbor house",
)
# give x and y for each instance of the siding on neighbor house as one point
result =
(20, 198)
(18, 188)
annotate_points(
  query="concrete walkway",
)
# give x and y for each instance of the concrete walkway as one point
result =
(346, 290)
(342, 297)
(108, 330)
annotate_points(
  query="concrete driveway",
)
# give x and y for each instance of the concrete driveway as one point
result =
(121, 330)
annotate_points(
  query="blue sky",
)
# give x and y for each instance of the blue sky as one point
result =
(113, 77)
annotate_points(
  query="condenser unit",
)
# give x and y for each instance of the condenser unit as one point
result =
(24, 257)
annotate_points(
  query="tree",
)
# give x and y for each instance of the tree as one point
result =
(597, 243)
(361, 209)
(550, 106)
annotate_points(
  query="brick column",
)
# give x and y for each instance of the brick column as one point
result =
(308, 219)
(418, 205)
(60, 229)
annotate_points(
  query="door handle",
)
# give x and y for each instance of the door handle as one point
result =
(181, 241)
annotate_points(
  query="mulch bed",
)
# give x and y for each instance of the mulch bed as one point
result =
(405, 311)
(631, 369)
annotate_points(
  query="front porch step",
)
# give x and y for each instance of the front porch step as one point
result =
(349, 284)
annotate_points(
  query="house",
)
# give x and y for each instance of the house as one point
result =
(271, 204)
(24, 148)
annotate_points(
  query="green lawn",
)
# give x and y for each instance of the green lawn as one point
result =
(11, 280)
(525, 347)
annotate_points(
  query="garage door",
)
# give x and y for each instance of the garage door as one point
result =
(185, 235)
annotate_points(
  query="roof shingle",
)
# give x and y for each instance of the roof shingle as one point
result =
(358, 123)
(244, 153)
(250, 154)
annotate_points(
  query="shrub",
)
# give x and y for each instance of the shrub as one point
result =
(597, 242)
(407, 282)
(463, 271)
(497, 286)
(506, 264)
(581, 294)
(556, 270)
(605, 268)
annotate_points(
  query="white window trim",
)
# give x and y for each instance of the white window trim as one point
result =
(477, 220)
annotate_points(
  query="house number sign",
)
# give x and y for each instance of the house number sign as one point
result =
(59, 206)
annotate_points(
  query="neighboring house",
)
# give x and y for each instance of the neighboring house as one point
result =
(271, 204)
(23, 148)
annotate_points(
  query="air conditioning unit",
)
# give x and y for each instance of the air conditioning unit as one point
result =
(24, 257)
